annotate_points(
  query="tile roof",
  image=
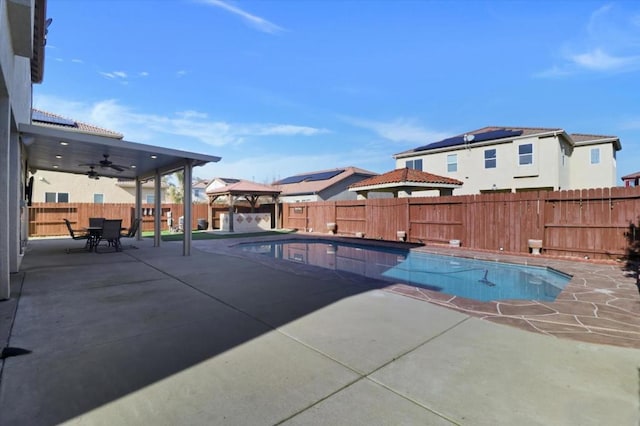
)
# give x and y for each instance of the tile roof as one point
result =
(635, 175)
(244, 187)
(582, 137)
(49, 119)
(406, 176)
(316, 186)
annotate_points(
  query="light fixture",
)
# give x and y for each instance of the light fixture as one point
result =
(28, 140)
(55, 166)
(154, 156)
(133, 166)
(63, 143)
(58, 156)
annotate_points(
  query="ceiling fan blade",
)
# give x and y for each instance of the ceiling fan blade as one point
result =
(116, 167)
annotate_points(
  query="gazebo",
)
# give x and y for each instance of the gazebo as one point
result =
(405, 181)
(248, 190)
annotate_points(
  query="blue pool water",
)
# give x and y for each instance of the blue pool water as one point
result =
(470, 278)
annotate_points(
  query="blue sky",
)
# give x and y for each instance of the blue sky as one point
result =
(283, 87)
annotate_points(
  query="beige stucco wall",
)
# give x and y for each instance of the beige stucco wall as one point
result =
(587, 175)
(81, 189)
(556, 165)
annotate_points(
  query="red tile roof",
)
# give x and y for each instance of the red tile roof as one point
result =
(79, 127)
(406, 176)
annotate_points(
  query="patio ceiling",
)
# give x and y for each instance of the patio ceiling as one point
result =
(69, 152)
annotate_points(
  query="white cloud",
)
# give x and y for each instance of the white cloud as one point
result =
(257, 22)
(398, 130)
(609, 43)
(167, 129)
(143, 74)
(598, 60)
(77, 61)
(181, 73)
(114, 75)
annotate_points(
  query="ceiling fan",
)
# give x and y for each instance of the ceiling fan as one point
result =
(106, 163)
(92, 173)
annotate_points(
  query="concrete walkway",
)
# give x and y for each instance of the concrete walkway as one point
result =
(148, 336)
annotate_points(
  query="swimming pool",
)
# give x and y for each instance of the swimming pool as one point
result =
(470, 278)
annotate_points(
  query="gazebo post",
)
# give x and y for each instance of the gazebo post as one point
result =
(231, 201)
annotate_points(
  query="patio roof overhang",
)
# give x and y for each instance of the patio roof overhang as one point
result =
(65, 151)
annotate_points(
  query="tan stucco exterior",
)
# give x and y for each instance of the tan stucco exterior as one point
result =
(558, 163)
(81, 189)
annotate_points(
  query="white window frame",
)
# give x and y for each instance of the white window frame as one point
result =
(412, 164)
(488, 160)
(150, 198)
(526, 155)
(94, 198)
(452, 163)
(594, 156)
(57, 197)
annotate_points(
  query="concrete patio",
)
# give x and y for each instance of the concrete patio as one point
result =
(147, 336)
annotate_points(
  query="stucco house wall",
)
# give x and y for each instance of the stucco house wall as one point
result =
(81, 189)
(558, 162)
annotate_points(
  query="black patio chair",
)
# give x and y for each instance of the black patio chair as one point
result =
(132, 231)
(111, 234)
(77, 235)
(96, 221)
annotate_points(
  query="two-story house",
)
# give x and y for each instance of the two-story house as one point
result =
(514, 159)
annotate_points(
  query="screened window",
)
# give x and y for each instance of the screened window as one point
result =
(98, 198)
(525, 154)
(49, 197)
(452, 162)
(595, 155)
(490, 159)
(150, 199)
(63, 197)
(414, 164)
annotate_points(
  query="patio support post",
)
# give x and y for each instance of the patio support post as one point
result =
(157, 214)
(16, 203)
(138, 207)
(277, 212)
(188, 226)
(5, 226)
(209, 213)
(231, 201)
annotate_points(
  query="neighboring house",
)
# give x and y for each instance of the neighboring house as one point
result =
(514, 159)
(199, 191)
(631, 180)
(56, 187)
(323, 185)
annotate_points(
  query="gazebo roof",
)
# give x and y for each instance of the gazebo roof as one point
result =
(244, 187)
(402, 179)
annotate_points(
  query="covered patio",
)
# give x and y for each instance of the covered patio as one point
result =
(148, 337)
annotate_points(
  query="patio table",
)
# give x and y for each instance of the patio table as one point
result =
(94, 236)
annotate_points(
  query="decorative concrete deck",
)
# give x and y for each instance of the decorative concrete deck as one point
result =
(601, 303)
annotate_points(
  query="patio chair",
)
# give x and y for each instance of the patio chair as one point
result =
(110, 234)
(96, 221)
(76, 235)
(132, 231)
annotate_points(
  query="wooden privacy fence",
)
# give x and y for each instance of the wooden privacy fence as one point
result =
(598, 223)
(46, 219)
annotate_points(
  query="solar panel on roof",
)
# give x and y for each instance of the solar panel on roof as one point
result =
(45, 118)
(313, 177)
(477, 137)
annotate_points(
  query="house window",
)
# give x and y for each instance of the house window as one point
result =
(98, 198)
(452, 162)
(56, 197)
(525, 154)
(150, 199)
(490, 159)
(414, 164)
(197, 193)
(595, 155)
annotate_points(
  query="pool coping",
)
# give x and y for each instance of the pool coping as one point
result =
(600, 304)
